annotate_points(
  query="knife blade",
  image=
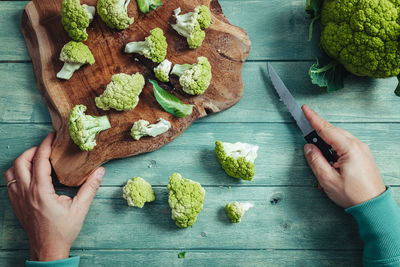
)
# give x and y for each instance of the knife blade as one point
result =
(309, 133)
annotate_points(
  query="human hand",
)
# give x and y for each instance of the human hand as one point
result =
(354, 178)
(52, 222)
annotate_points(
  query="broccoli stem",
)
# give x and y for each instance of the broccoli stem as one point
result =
(97, 124)
(136, 47)
(90, 11)
(68, 70)
(178, 70)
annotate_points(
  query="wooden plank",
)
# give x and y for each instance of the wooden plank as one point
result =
(232, 258)
(278, 29)
(280, 160)
(293, 223)
(363, 100)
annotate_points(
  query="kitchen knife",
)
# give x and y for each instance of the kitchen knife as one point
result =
(309, 133)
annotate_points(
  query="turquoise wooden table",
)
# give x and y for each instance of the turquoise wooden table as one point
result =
(292, 223)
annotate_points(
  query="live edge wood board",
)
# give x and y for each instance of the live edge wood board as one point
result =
(226, 47)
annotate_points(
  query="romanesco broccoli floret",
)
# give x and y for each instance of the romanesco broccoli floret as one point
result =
(154, 47)
(194, 79)
(76, 18)
(192, 25)
(137, 192)
(185, 199)
(237, 159)
(162, 71)
(148, 5)
(236, 210)
(122, 93)
(143, 128)
(74, 55)
(115, 13)
(84, 128)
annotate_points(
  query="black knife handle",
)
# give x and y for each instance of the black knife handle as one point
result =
(327, 150)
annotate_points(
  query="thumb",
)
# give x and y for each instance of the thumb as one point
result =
(319, 165)
(88, 190)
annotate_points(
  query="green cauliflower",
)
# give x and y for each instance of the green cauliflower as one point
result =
(115, 13)
(237, 159)
(148, 5)
(137, 192)
(76, 18)
(154, 47)
(74, 55)
(194, 79)
(84, 128)
(143, 128)
(363, 35)
(185, 199)
(122, 93)
(162, 71)
(236, 210)
(192, 25)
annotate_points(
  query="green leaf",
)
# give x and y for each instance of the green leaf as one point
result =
(170, 103)
(330, 76)
(397, 91)
(182, 254)
(313, 7)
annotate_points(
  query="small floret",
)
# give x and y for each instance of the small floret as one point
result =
(84, 128)
(192, 25)
(137, 192)
(154, 47)
(148, 5)
(185, 199)
(74, 55)
(122, 93)
(162, 71)
(237, 159)
(194, 79)
(76, 18)
(143, 128)
(115, 13)
(236, 210)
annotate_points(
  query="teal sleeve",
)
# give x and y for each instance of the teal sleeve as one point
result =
(70, 262)
(379, 224)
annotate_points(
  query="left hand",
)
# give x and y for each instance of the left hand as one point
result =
(52, 222)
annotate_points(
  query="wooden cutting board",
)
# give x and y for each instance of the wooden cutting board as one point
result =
(226, 47)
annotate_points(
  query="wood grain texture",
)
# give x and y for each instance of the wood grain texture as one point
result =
(225, 46)
(231, 258)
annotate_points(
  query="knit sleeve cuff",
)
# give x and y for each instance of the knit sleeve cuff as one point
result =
(69, 262)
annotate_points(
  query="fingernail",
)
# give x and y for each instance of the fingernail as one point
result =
(307, 149)
(100, 172)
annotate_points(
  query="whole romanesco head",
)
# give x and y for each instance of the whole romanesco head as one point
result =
(154, 47)
(122, 93)
(185, 199)
(84, 128)
(236, 210)
(74, 55)
(76, 18)
(162, 71)
(137, 192)
(115, 13)
(194, 79)
(363, 35)
(237, 159)
(192, 25)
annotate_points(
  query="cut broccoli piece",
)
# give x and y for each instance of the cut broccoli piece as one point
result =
(137, 192)
(122, 93)
(74, 55)
(76, 18)
(154, 47)
(148, 5)
(192, 25)
(185, 199)
(236, 210)
(115, 13)
(84, 128)
(237, 159)
(144, 128)
(194, 79)
(162, 71)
